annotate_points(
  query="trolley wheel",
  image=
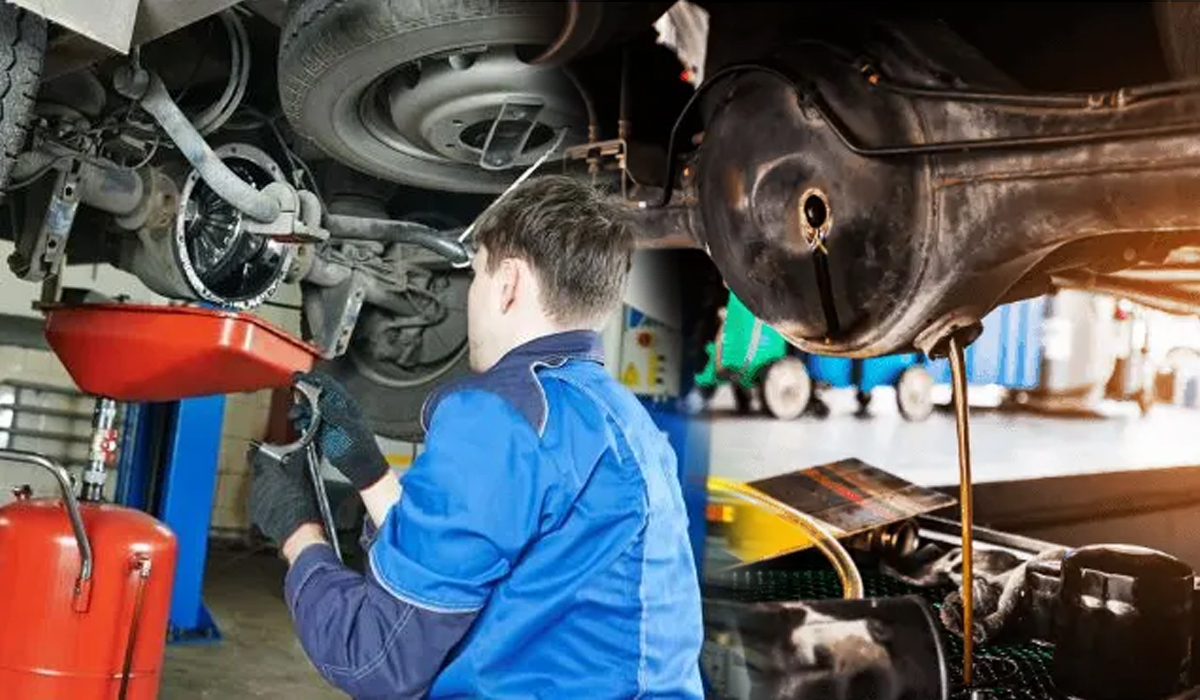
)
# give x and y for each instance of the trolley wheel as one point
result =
(914, 393)
(787, 388)
(864, 403)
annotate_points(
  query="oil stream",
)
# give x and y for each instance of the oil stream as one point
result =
(958, 373)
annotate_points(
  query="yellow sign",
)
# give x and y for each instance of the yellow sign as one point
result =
(630, 377)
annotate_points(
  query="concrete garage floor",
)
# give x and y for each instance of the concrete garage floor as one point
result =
(1005, 445)
(259, 656)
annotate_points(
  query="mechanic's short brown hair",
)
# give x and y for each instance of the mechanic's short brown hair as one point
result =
(578, 241)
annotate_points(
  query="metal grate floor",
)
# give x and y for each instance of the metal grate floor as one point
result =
(1002, 671)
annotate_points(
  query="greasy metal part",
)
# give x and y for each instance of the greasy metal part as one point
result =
(889, 542)
(56, 226)
(590, 26)
(1183, 300)
(958, 378)
(148, 90)
(1039, 615)
(190, 244)
(238, 269)
(666, 227)
(68, 495)
(110, 188)
(118, 191)
(108, 23)
(103, 450)
(580, 26)
(949, 532)
(311, 395)
(941, 206)
(875, 649)
(1125, 624)
(392, 231)
(158, 18)
(839, 558)
(332, 312)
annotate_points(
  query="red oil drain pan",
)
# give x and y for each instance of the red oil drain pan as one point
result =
(139, 352)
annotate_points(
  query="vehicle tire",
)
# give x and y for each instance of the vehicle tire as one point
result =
(391, 412)
(375, 83)
(786, 388)
(914, 393)
(22, 50)
(743, 399)
(391, 377)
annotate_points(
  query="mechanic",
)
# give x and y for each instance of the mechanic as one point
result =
(540, 547)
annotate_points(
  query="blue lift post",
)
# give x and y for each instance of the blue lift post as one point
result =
(182, 498)
(186, 504)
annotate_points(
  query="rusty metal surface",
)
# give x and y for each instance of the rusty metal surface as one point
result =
(998, 198)
(109, 22)
(119, 24)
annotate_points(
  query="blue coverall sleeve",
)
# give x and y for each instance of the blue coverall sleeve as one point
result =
(472, 502)
(361, 638)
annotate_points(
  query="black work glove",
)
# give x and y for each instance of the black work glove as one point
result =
(281, 496)
(344, 439)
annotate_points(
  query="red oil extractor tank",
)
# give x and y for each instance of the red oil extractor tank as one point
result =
(85, 591)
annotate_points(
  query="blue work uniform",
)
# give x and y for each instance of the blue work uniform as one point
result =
(539, 550)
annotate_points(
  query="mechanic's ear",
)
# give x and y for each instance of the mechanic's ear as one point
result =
(510, 280)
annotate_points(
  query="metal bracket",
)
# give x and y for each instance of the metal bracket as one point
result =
(504, 144)
(44, 255)
(612, 154)
(333, 312)
(299, 218)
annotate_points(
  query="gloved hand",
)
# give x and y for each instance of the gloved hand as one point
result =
(281, 497)
(344, 439)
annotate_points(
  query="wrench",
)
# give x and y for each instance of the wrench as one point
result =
(311, 394)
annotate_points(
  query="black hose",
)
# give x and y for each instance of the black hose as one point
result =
(389, 231)
(669, 175)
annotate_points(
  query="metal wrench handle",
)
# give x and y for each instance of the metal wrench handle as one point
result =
(311, 394)
(314, 473)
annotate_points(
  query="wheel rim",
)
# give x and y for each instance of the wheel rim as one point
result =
(787, 388)
(439, 111)
(914, 392)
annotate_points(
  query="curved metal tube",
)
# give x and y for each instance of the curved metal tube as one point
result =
(389, 231)
(848, 574)
(148, 89)
(64, 483)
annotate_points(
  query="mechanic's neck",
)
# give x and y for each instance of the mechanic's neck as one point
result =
(530, 329)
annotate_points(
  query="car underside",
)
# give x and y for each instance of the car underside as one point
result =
(867, 177)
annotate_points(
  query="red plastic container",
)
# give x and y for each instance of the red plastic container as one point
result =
(136, 352)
